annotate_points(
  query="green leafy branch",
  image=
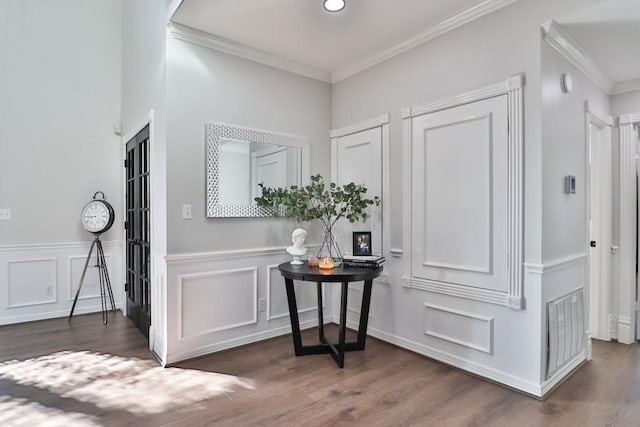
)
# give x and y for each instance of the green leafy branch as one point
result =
(317, 201)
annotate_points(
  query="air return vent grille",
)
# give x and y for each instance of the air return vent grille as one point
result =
(565, 330)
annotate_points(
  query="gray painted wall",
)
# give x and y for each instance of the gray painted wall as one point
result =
(60, 92)
(205, 85)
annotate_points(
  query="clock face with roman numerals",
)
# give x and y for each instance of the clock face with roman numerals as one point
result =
(97, 216)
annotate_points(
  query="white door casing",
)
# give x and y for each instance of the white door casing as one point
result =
(463, 194)
(627, 306)
(599, 221)
(360, 154)
(358, 160)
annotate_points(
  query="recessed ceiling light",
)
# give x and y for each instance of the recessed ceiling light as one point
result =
(334, 5)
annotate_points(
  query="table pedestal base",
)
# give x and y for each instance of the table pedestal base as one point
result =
(336, 350)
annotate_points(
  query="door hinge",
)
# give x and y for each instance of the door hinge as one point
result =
(126, 163)
(593, 244)
(126, 287)
(126, 225)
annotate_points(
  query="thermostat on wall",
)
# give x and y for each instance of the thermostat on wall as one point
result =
(570, 184)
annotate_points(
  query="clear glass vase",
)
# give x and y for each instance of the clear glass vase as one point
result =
(329, 248)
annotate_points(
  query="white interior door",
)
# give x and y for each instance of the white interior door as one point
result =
(359, 160)
(270, 169)
(459, 195)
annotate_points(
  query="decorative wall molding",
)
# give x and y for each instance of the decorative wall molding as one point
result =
(270, 316)
(484, 338)
(220, 44)
(484, 371)
(382, 119)
(182, 278)
(45, 295)
(15, 279)
(512, 85)
(555, 264)
(513, 88)
(396, 252)
(460, 291)
(223, 255)
(73, 285)
(20, 247)
(555, 36)
(627, 225)
(443, 27)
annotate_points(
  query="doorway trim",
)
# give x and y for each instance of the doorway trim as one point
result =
(628, 238)
(604, 123)
(381, 121)
(155, 296)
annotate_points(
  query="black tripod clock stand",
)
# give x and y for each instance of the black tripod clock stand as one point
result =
(97, 217)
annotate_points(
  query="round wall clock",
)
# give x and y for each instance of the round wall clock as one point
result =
(97, 215)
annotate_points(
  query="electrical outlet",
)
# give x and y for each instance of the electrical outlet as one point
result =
(186, 211)
(262, 305)
(49, 291)
(5, 214)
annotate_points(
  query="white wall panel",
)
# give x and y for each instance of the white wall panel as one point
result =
(32, 282)
(91, 283)
(459, 189)
(41, 280)
(458, 184)
(277, 306)
(217, 300)
(459, 327)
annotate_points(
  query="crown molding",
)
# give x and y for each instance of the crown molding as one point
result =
(567, 47)
(220, 44)
(170, 7)
(430, 33)
(626, 86)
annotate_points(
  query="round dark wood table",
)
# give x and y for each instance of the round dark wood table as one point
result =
(343, 275)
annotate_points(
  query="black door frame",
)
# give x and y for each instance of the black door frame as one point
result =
(138, 230)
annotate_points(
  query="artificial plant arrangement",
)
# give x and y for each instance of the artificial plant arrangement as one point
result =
(317, 201)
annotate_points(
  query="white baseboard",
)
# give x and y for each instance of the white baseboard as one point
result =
(455, 361)
(236, 342)
(55, 314)
(562, 373)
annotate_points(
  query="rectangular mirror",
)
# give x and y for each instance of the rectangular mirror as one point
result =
(239, 159)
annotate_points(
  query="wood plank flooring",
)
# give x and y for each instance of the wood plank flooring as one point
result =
(82, 373)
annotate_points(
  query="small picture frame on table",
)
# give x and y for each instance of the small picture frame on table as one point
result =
(362, 243)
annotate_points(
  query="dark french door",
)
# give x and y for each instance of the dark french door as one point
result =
(137, 226)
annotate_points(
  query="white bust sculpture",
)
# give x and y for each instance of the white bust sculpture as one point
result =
(297, 250)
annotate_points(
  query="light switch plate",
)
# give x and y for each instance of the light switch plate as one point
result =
(186, 211)
(5, 214)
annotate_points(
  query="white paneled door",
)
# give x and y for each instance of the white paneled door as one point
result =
(359, 159)
(459, 195)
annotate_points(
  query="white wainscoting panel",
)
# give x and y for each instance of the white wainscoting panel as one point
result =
(467, 329)
(466, 236)
(40, 280)
(215, 301)
(277, 306)
(32, 282)
(91, 284)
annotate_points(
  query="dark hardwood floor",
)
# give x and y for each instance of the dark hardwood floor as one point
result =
(83, 373)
